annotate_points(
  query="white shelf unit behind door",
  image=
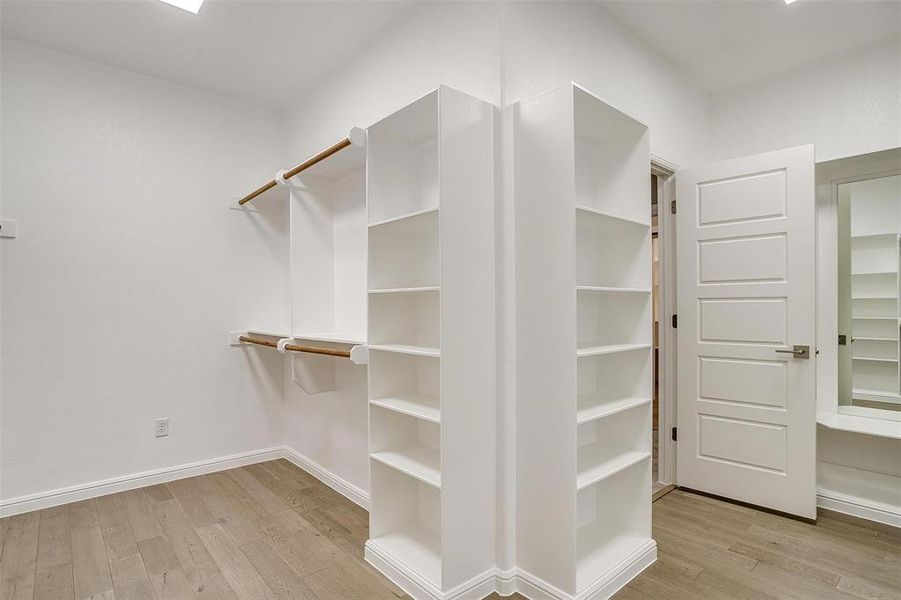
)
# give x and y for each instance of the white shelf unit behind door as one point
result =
(584, 332)
(875, 366)
(431, 341)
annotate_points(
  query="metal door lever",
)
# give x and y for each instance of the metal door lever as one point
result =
(797, 351)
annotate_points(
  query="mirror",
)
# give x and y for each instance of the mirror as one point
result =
(869, 255)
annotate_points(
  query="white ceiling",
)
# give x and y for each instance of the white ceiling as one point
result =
(264, 51)
(723, 44)
(270, 52)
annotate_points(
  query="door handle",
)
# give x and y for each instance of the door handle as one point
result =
(797, 351)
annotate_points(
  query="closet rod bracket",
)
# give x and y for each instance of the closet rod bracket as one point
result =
(359, 355)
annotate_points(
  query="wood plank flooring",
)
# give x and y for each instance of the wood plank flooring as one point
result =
(264, 532)
(271, 531)
(715, 550)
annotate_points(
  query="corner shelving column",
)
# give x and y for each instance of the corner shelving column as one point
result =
(584, 331)
(431, 344)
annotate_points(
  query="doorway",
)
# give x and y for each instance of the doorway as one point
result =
(663, 291)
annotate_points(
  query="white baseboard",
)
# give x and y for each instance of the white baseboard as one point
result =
(859, 507)
(536, 588)
(614, 580)
(403, 577)
(418, 587)
(505, 583)
(22, 504)
(603, 587)
(345, 488)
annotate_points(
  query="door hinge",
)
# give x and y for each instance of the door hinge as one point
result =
(672, 207)
(675, 321)
(842, 340)
(674, 435)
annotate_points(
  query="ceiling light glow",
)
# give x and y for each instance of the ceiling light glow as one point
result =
(192, 6)
(786, 1)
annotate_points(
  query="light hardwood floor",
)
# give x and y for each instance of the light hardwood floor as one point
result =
(716, 550)
(272, 531)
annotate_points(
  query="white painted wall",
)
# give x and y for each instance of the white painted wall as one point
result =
(548, 44)
(846, 106)
(129, 271)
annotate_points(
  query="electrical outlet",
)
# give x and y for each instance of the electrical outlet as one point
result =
(162, 427)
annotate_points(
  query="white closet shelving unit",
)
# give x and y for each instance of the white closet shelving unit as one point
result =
(875, 313)
(431, 343)
(584, 328)
(328, 250)
(328, 264)
(327, 232)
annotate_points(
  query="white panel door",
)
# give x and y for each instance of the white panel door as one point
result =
(746, 297)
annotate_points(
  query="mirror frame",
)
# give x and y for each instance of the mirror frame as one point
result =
(829, 175)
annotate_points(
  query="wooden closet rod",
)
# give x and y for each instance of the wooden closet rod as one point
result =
(296, 348)
(299, 168)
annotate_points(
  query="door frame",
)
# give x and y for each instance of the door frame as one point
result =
(666, 246)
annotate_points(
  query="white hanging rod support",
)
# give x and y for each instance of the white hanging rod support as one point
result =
(244, 339)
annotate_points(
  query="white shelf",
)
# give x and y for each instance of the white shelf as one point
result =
(268, 333)
(403, 253)
(590, 475)
(420, 462)
(405, 320)
(610, 349)
(869, 425)
(876, 396)
(875, 359)
(406, 290)
(410, 215)
(592, 407)
(338, 166)
(607, 215)
(873, 318)
(406, 349)
(420, 406)
(598, 554)
(415, 546)
(874, 339)
(612, 290)
(874, 235)
(337, 338)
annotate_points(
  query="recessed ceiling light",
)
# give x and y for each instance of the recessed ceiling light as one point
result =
(192, 6)
(786, 1)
